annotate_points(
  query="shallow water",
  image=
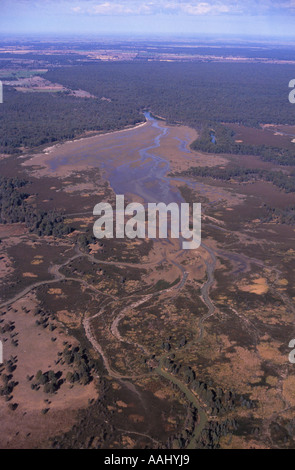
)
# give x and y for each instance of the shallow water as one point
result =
(146, 180)
(143, 172)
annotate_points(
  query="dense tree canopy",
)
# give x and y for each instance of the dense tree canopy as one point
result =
(192, 93)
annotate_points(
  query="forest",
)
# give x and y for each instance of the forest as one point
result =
(278, 178)
(28, 120)
(223, 142)
(14, 209)
(191, 93)
(282, 216)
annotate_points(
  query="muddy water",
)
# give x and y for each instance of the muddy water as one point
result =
(131, 161)
(147, 179)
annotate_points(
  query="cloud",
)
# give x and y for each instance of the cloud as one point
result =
(142, 7)
(153, 7)
(108, 8)
(116, 8)
(204, 8)
(76, 9)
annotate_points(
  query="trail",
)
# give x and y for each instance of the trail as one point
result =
(205, 289)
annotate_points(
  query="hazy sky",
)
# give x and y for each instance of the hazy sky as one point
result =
(251, 17)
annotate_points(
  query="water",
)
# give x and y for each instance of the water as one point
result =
(144, 175)
(147, 180)
(213, 138)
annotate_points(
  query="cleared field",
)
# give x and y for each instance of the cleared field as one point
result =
(272, 135)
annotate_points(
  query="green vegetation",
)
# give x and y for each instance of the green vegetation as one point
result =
(224, 143)
(8, 384)
(281, 216)
(44, 318)
(32, 119)
(83, 366)
(162, 284)
(278, 178)
(15, 74)
(50, 380)
(72, 356)
(84, 240)
(191, 93)
(203, 396)
(14, 208)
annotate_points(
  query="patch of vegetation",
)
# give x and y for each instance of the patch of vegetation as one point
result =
(190, 93)
(83, 365)
(223, 142)
(162, 284)
(280, 216)
(278, 178)
(14, 208)
(50, 380)
(24, 124)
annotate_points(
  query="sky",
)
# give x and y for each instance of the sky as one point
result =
(272, 18)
